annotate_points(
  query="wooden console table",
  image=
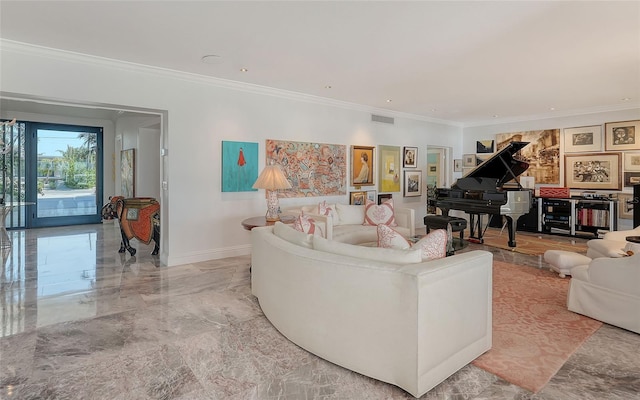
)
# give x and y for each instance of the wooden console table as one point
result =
(255, 222)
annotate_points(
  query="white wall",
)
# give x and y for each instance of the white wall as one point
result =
(202, 222)
(472, 134)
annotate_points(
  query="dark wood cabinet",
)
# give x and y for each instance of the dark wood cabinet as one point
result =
(636, 205)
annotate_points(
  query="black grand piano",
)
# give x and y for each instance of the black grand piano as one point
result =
(482, 191)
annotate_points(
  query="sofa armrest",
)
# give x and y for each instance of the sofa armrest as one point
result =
(405, 217)
(621, 235)
(617, 274)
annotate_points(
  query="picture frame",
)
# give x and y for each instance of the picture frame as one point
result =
(358, 198)
(457, 165)
(410, 157)
(128, 173)
(625, 205)
(485, 146)
(371, 196)
(583, 139)
(239, 166)
(384, 197)
(412, 183)
(631, 178)
(468, 160)
(466, 170)
(624, 135)
(631, 162)
(482, 158)
(389, 169)
(599, 171)
(362, 166)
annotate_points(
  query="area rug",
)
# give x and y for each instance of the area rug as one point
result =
(531, 243)
(533, 332)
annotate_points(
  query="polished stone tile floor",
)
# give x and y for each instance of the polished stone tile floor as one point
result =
(80, 321)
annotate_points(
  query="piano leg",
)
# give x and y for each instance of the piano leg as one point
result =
(473, 224)
(511, 227)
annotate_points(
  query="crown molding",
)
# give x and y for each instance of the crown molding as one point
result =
(69, 56)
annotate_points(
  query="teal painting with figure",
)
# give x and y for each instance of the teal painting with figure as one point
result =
(239, 166)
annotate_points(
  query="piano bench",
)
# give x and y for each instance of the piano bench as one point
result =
(440, 222)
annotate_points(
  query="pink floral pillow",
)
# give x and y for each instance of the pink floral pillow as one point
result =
(379, 214)
(391, 239)
(306, 224)
(434, 245)
(324, 209)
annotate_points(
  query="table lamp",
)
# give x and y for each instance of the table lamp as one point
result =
(272, 179)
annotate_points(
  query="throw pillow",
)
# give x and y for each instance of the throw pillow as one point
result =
(349, 214)
(390, 256)
(324, 209)
(292, 236)
(434, 245)
(306, 224)
(391, 239)
(379, 214)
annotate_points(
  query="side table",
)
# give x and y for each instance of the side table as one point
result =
(633, 239)
(255, 222)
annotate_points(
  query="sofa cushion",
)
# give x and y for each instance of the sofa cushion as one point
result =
(393, 256)
(434, 245)
(375, 214)
(389, 238)
(349, 214)
(293, 236)
(306, 224)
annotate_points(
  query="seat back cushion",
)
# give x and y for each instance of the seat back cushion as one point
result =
(392, 256)
(349, 214)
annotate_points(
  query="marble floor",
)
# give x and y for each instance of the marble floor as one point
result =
(80, 321)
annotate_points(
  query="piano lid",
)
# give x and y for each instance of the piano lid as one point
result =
(501, 166)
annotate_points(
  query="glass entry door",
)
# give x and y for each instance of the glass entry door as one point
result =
(65, 174)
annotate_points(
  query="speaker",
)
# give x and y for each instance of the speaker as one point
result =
(636, 205)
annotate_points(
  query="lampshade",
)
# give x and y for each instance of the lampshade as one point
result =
(272, 178)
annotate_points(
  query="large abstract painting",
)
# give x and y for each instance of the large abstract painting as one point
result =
(239, 166)
(313, 169)
(542, 153)
(128, 173)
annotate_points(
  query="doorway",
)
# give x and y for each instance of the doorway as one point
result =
(64, 176)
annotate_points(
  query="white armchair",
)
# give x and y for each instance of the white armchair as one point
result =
(608, 289)
(611, 245)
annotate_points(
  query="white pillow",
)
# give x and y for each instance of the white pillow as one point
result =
(375, 214)
(349, 214)
(433, 246)
(388, 238)
(392, 256)
(292, 236)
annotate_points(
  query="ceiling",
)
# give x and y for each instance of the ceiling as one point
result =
(465, 62)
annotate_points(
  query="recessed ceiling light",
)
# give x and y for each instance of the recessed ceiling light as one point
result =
(626, 98)
(389, 100)
(327, 86)
(552, 108)
(211, 59)
(494, 116)
(244, 70)
(434, 109)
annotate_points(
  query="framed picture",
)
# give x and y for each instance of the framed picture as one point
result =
(457, 165)
(484, 146)
(371, 195)
(582, 139)
(482, 158)
(389, 168)
(631, 178)
(631, 162)
(542, 153)
(357, 198)
(625, 205)
(622, 135)
(128, 173)
(412, 183)
(239, 166)
(384, 197)
(362, 166)
(466, 170)
(410, 157)
(593, 171)
(469, 160)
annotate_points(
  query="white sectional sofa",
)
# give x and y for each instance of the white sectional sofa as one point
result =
(345, 222)
(380, 312)
(611, 245)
